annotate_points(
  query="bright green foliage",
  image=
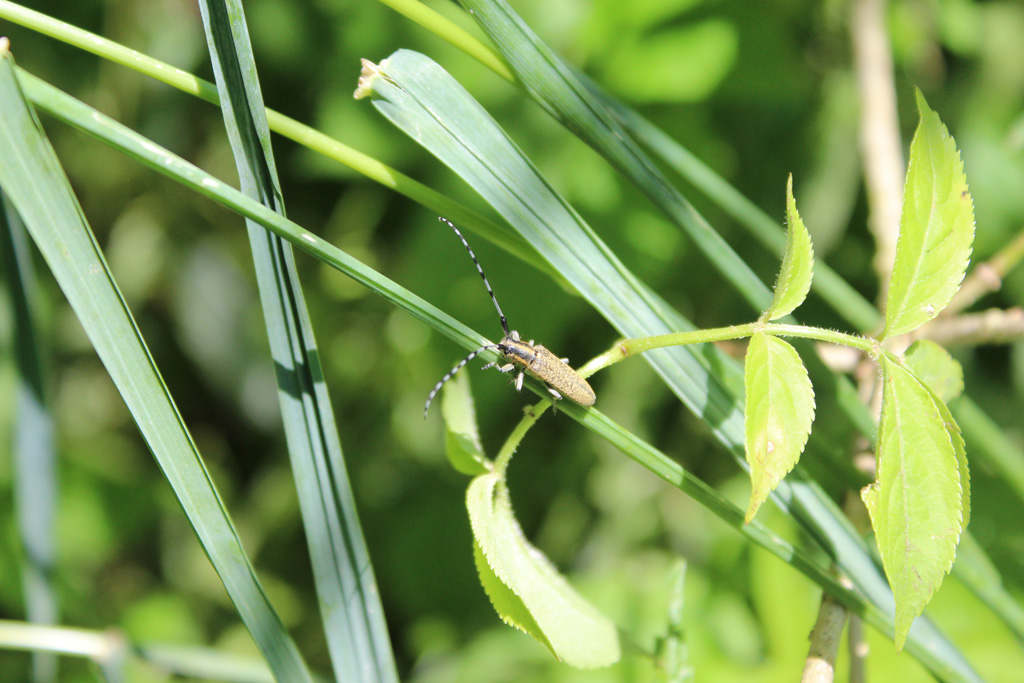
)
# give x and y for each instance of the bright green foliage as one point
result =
(939, 371)
(936, 229)
(794, 279)
(462, 437)
(957, 439)
(512, 610)
(527, 590)
(780, 410)
(916, 502)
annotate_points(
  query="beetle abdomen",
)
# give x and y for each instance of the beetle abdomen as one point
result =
(550, 369)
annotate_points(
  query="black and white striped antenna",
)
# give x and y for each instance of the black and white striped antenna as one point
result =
(504, 323)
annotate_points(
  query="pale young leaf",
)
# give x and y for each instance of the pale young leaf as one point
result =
(936, 229)
(532, 595)
(462, 437)
(780, 410)
(794, 279)
(916, 504)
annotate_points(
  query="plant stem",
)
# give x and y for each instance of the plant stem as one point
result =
(638, 345)
(508, 449)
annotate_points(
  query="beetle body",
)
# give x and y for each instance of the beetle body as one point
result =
(560, 379)
(555, 372)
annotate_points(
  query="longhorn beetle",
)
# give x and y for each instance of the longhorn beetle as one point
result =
(560, 379)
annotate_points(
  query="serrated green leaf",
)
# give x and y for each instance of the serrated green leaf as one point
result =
(566, 623)
(780, 410)
(916, 504)
(960, 451)
(938, 370)
(944, 378)
(794, 279)
(462, 437)
(507, 604)
(936, 229)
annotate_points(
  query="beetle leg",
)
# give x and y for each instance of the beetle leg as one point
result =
(519, 381)
(554, 393)
(564, 360)
(502, 368)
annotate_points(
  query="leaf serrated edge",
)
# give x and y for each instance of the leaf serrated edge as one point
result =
(870, 494)
(762, 488)
(796, 271)
(896, 322)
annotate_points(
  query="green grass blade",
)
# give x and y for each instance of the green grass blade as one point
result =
(32, 177)
(490, 229)
(833, 289)
(350, 606)
(35, 487)
(844, 299)
(555, 88)
(422, 100)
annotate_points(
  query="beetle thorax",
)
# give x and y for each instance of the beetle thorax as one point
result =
(516, 350)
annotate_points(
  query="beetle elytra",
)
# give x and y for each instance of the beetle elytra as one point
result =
(560, 379)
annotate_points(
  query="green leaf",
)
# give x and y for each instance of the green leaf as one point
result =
(794, 279)
(916, 504)
(506, 603)
(32, 177)
(462, 437)
(936, 229)
(936, 369)
(780, 410)
(555, 614)
(942, 375)
(960, 451)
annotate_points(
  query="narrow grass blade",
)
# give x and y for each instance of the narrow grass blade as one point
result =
(32, 177)
(35, 487)
(555, 88)
(833, 289)
(350, 605)
(492, 230)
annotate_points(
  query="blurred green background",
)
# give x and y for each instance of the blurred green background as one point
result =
(756, 90)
